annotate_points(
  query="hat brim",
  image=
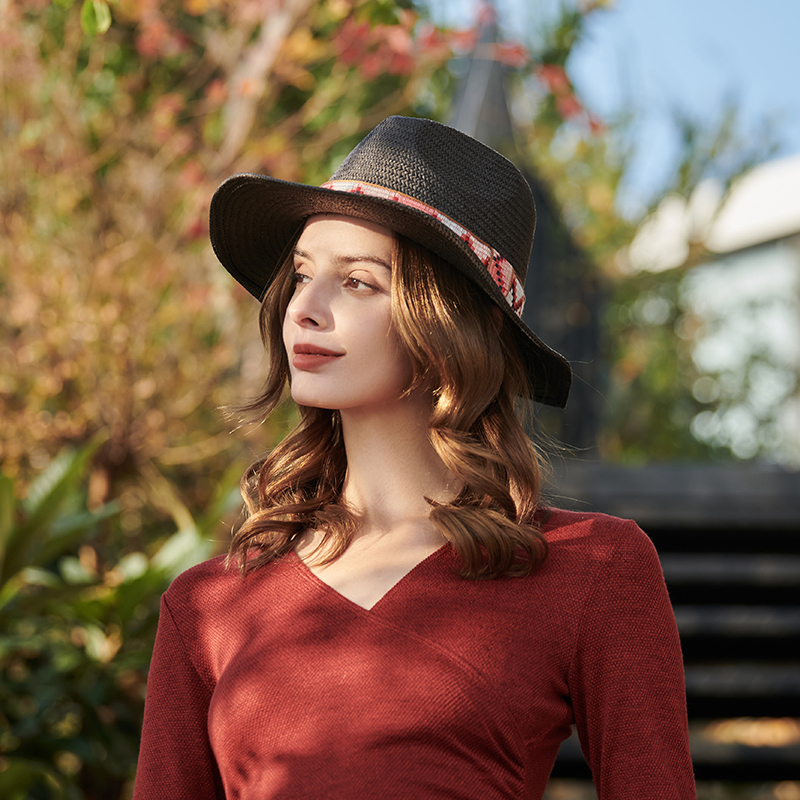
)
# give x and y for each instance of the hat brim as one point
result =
(254, 218)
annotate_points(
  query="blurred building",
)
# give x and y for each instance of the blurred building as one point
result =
(741, 303)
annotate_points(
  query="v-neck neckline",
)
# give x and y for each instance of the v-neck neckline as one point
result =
(312, 576)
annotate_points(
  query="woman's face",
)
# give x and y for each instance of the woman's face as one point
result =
(343, 351)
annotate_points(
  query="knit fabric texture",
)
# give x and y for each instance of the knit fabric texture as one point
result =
(276, 687)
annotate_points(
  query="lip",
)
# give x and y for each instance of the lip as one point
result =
(314, 350)
(310, 356)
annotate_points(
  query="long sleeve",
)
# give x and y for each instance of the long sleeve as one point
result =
(626, 680)
(175, 758)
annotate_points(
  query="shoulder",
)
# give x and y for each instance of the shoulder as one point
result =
(591, 542)
(213, 570)
(593, 531)
(207, 584)
(611, 569)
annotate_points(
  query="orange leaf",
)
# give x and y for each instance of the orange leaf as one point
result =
(196, 7)
(216, 92)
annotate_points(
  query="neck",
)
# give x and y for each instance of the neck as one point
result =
(392, 466)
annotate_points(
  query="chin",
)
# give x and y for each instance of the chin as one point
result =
(325, 400)
(313, 401)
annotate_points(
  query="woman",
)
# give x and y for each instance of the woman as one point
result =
(399, 617)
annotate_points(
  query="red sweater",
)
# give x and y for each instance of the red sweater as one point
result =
(275, 686)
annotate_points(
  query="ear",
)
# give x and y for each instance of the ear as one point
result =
(497, 316)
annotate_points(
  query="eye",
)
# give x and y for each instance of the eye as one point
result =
(362, 284)
(355, 283)
(300, 277)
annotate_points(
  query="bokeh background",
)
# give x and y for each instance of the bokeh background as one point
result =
(666, 138)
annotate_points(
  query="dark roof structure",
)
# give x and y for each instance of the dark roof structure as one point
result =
(563, 294)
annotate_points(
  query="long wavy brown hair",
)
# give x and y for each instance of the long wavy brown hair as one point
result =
(467, 359)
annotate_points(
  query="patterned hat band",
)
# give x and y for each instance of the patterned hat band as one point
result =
(501, 272)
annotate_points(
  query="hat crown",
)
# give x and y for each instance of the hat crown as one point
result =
(455, 174)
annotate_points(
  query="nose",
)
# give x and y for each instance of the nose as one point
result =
(310, 306)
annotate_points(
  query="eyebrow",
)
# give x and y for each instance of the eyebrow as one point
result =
(348, 259)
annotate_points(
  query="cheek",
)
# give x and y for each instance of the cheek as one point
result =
(401, 354)
(401, 364)
(286, 327)
(381, 354)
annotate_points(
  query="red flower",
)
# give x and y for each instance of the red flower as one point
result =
(401, 64)
(191, 174)
(154, 36)
(195, 230)
(568, 106)
(512, 54)
(351, 41)
(395, 48)
(596, 126)
(432, 42)
(554, 78)
(464, 40)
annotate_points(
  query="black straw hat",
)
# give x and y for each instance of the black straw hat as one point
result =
(439, 187)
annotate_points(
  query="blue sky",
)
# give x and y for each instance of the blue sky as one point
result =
(655, 55)
(693, 54)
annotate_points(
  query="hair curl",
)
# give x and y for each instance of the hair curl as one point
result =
(475, 374)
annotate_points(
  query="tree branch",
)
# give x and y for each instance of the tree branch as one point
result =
(249, 81)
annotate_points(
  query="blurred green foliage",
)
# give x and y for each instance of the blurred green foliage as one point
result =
(76, 632)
